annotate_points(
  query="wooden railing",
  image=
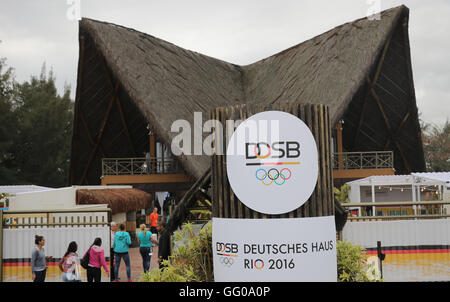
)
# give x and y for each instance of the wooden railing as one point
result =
(363, 160)
(139, 166)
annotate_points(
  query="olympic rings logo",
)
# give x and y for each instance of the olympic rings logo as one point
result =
(226, 261)
(273, 176)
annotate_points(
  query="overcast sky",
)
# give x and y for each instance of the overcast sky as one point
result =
(236, 31)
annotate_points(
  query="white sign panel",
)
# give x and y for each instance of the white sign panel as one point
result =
(274, 250)
(272, 162)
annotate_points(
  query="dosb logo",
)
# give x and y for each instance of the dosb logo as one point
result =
(278, 172)
(277, 151)
(227, 248)
(227, 253)
(288, 149)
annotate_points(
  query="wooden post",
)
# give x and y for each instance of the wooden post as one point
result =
(339, 145)
(321, 203)
(130, 226)
(152, 150)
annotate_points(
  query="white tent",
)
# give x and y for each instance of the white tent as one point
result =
(411, 186)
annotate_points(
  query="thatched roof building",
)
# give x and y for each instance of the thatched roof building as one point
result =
(128, 79)
(118, 200)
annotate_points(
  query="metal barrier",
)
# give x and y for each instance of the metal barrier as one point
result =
(78, 225)
(413, 247)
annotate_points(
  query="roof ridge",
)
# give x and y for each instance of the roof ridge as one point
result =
(400, 8)
(158, 40)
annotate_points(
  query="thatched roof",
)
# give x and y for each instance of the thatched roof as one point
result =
(327, 69)
(118, 200)
(167, 83)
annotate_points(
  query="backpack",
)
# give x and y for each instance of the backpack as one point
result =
(84, 262)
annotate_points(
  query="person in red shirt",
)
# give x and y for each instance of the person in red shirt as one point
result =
(154, 221)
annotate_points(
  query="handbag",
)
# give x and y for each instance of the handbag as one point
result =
(85, 260)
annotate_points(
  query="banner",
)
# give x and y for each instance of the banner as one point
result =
(274, 250)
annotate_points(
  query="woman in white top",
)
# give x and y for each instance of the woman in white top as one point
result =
(70, 264)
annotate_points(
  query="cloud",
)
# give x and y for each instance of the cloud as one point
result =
(240, 32)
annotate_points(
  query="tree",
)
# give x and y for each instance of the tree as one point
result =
(7, 123)
(35, 130)
(41, 149)
(436, 145)
(341, 194)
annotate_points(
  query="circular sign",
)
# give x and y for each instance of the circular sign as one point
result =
(272, 162)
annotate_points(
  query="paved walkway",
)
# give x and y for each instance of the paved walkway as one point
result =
(136, 265)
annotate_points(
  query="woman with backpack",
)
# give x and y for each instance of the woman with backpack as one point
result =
(70, 264)
(96, 261)
(122, 241)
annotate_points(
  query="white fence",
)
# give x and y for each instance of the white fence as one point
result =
(18, 240)
(416, 250)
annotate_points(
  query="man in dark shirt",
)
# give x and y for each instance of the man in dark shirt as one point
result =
(164, 244)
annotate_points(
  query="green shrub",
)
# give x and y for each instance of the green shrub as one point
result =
(193, 262)
(351, 262)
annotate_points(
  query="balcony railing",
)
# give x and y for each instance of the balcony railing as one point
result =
(363, 160)
(420, 210)
(140, 166)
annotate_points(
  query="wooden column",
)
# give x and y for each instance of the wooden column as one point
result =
(321, 203)
(340, 149)
(130, 226)
(152, 150)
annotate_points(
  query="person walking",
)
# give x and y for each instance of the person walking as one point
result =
(145, 241)
(70, 264)
(39, 260)
(164, 244)
(96, 261)
(154, 221)
(111, 262)
(122, 241)
(148, 162)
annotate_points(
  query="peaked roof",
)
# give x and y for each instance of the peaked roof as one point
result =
(328, 69)
(169, 83)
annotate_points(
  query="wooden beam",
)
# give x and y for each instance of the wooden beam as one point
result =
(86, 128)
(145, 178)
(373, 82)
(397, 132)
(100, 133)
(124, 123)
(340, 148)
(361, 173)
(389, 128)
(152, 147)
(179, 214)
(119, 106)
